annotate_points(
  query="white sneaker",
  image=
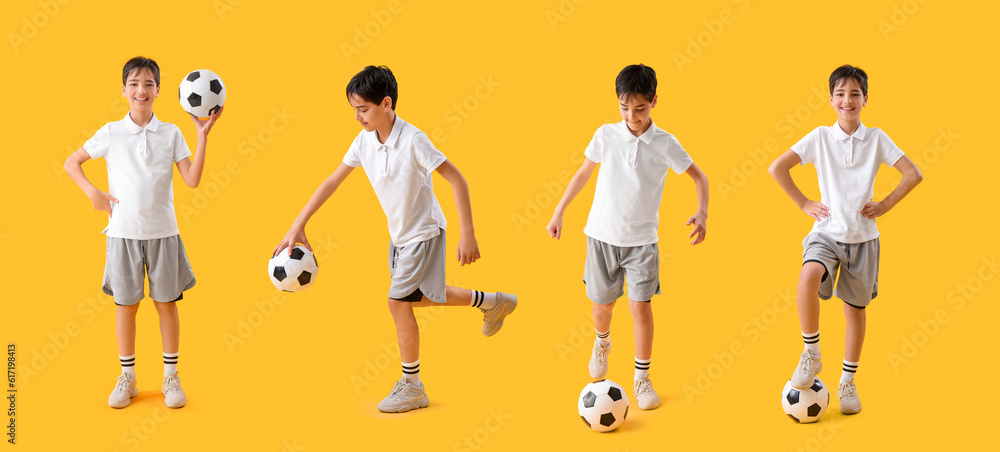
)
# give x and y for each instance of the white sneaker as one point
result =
(124, 391)
(848, 395)
(493, 317)
(405, 396)
(599, 359)
(173, 394)
(645, 394)
(809, 366)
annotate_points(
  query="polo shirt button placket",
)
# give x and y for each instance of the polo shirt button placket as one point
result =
(142, 143)
(633, 150)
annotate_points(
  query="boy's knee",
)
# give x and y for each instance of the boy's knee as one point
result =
(130, 309)
(812, 272)
(604, 307)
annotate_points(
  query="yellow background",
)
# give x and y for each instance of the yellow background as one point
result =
(306, 370)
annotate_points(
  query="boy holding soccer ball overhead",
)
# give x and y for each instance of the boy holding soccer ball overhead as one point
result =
(399, 161)
(843, 239)
(142, 233)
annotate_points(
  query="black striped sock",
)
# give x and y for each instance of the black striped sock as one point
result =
(169, 364)
(849, 370)
(477, 299)
(483, 300)
(605, 336)
(128, 364)
(641, 368)
(812, 342)
(411, 371)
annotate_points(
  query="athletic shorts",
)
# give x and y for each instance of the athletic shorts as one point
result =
(418, 268)
(857, 264)
(130, 260)
(609, 268)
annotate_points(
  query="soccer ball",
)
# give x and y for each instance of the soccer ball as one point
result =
(292, 273)
(202, 93)
(603, 405)
(805, 405)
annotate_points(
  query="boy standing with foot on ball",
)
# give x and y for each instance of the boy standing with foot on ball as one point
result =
(847, 155)
(143, 238)
(621, 231)
(399, 161)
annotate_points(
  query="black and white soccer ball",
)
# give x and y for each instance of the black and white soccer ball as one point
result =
(293, 273)
(202, 93)
(805, 405)
(603, 405)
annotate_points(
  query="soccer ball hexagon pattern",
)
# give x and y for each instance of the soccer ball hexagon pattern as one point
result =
(293, 273)
(202, 93)
(603, 405)
(805, 405)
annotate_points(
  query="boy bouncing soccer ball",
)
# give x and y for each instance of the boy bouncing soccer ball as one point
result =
(293, 273)
(805, 405)
(603, 405)
(202, 93)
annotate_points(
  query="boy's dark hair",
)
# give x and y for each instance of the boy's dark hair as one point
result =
(852, 72)
(636, 79)
(373, 84)
(139, 63)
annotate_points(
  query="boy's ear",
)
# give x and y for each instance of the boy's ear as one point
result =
(387, 102)
(652, 103)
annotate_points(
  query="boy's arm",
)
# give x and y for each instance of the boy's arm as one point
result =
(700, 218)
(74, 167)
(576, 184)
(297, 233)
(779, 170)
(911, 177)
(191, 172)
(468, 248)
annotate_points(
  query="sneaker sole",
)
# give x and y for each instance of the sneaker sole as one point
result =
(423, 404)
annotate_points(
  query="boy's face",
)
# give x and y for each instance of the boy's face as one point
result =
(847, 100)
(371, 116)
(635, 111)
(140, 89)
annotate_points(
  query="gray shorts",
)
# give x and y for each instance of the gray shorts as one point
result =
(129, 260)
(857, 264)
(609, 267)
(418, 266)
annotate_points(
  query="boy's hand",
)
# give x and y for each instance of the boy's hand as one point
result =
(295, 235)
(699, 221)
(468, 249)
(102, 201)
(873, 210)
(817, 210)
(203, 126)
(555, 227)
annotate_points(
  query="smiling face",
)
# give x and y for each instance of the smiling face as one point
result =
(141, 90)
(847, 100)
(635, 111)
(371, 116)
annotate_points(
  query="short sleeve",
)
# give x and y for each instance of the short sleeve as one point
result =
(180, 149)
(353, 156)
(806, 147)
(426, 154)
(677, 158)
(97, 146)
(888, 152)
(596, 146)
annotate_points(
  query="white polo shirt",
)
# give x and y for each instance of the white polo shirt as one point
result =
(140, 174)
(630, 182)
(400, 172)
(846, 166)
